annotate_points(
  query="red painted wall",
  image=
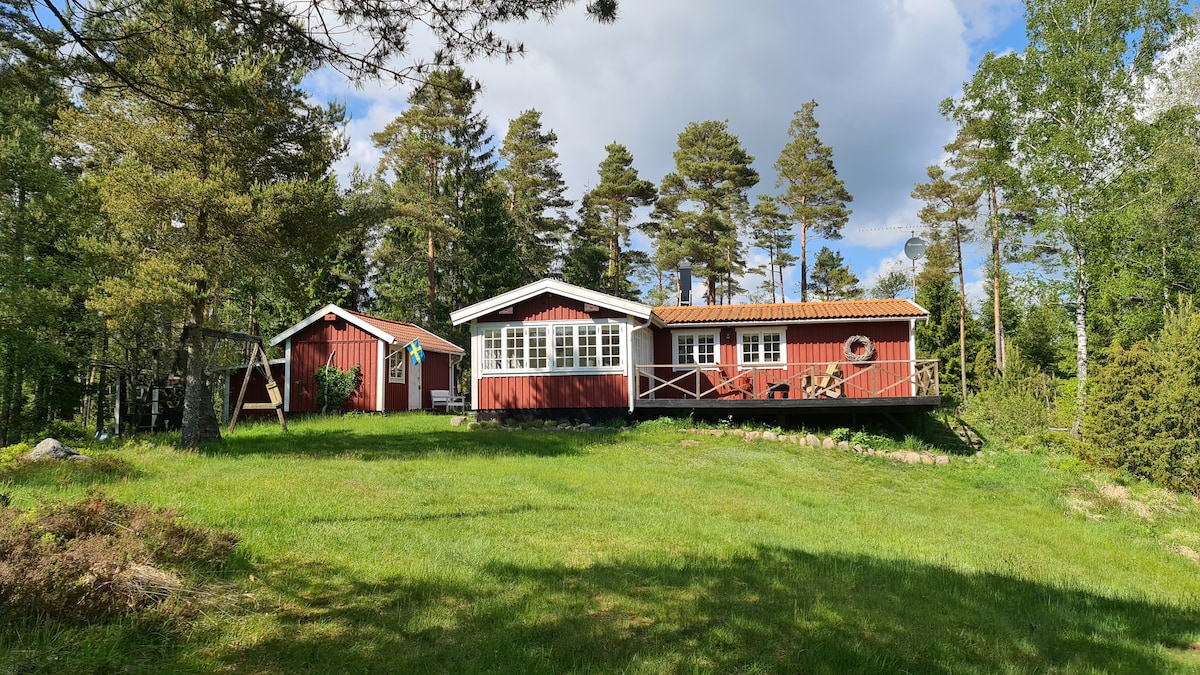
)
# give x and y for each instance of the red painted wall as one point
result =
(810, 343)
(559, 391)
(354, 347)
(549, 307)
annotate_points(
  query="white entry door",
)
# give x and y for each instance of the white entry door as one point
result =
(415, 393)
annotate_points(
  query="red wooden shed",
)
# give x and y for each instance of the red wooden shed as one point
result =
(551, 346)
(390, 382)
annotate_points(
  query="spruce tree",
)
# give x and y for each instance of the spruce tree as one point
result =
(813, 192)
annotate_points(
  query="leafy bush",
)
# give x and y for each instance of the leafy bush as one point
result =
(1142, 415)
(67, 431)
(335, 385)
(95, 558)
(1015, 404)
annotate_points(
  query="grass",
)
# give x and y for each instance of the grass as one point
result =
(401, 544)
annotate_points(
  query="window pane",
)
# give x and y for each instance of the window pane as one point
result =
(537, 347)
(564, 346)
(685, 349)
(750, 349)
(514, 348)
(492, 349)
(610, 345)
(772, 347)
(587, 346)
(706, 349)
(396, 359)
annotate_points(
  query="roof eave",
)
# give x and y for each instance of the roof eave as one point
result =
(482, 308)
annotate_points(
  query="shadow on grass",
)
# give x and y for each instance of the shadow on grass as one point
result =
(367, 446)
(777, 610)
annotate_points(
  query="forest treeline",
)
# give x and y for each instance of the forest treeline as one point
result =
(163, 167)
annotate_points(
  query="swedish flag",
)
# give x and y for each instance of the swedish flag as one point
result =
(415, 351)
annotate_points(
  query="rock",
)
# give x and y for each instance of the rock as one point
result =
(858, 448)
(716, 432)
(828, 443)
(941, 459)
(738, 432)
(457, 420)
(751, 436)
(910, 457)
(843, 445)
(583, 427)
(79, 458)
(926, 459)
(793, 439)
(770, 436)
(51, 448)
(812, 441)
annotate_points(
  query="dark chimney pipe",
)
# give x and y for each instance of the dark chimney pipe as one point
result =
(685, 281)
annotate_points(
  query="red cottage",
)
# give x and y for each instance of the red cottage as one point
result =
(554, 346)
(340, 337)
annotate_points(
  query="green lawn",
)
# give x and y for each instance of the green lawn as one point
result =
(401, 544)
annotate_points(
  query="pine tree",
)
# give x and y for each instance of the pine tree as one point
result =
(952, 206)
(608, 209)
(43, 329)
(893, 284)
(535, 190)
(814, 194)
(703, 201)
(436, 154)
(831, 278)
(772, 233)
(227, 181)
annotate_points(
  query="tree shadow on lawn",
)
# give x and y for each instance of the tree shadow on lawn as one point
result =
(329, 444)
(776, 610)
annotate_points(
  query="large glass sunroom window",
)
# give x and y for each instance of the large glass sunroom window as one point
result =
(558, 347)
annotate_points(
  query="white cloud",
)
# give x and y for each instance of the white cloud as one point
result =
(877, 68)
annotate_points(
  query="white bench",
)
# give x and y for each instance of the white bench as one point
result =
(442, 398)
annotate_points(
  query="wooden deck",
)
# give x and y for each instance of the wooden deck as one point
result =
(881, 386)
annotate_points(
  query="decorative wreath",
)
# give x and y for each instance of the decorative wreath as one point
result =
(868, 348)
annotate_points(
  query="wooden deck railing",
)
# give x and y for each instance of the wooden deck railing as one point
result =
(837, 379)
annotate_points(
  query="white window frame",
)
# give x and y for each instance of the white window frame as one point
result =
(545, 345)
(694, 335)
(760, 341)
(397, 351)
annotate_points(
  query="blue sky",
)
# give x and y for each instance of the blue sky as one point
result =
(877, 68)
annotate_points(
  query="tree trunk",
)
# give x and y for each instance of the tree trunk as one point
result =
(997, 323)
(962, 313)
(199, 419)
(430, 274)
(803, 260)
(1082, 288)
(6, 396)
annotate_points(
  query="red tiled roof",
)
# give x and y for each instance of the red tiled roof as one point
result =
(791, 311)
(407, 332)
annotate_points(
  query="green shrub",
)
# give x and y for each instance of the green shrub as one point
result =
(1142, 415)
(1016, 404)
(335, 385)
